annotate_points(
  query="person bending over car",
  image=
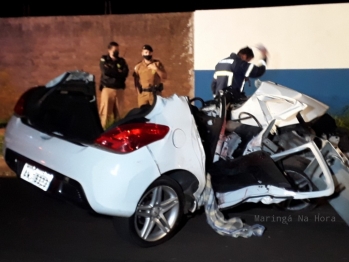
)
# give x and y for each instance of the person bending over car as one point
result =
(232, 72)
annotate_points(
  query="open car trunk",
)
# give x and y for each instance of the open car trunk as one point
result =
(66, 107)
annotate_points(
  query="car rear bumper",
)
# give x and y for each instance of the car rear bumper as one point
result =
(61, 186)
(111, 183)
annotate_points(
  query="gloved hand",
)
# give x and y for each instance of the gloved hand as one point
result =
(262, 48)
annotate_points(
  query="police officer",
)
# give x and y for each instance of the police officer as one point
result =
(114, 71)
(148, 77)
(232, 72)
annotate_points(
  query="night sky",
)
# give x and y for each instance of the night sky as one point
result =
(99, 7)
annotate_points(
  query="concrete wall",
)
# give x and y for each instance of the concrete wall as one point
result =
(307, 45)
(36, 49)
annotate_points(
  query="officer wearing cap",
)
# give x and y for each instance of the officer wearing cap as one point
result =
(148, 77)
(114, 71)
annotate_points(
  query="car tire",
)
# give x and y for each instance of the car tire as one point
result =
(301, 183)
(158, 216)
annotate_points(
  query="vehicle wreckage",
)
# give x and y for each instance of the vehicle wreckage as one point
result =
(166, 160)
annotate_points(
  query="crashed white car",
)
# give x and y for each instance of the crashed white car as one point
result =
(149, 169)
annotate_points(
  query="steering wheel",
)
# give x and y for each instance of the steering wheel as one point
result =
(198, 99)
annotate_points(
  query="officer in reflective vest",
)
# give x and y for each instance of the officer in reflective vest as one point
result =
(232, 72)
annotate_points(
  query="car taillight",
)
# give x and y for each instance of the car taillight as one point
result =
(130, 137)
(19, 107)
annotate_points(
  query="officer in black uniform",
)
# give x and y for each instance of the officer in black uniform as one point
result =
(114, 71)
(232, 72)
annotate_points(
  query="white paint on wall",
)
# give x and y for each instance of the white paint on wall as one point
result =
(297, 37)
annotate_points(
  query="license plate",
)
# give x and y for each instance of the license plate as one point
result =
(37, 177)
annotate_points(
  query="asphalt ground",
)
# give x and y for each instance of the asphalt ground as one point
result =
(38, 227)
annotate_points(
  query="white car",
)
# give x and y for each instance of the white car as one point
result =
(137, 170)
(148, 170)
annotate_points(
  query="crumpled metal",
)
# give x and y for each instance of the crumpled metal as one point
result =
(69, 76)
(233, 227)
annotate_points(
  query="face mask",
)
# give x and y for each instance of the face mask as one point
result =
(147, 57)
(116, 54)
